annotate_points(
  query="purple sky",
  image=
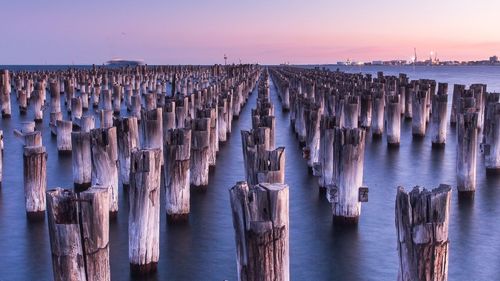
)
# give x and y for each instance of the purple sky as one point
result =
(276, 31)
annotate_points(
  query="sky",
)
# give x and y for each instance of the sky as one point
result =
(253, 31)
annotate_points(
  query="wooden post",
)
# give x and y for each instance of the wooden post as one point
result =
(366, 110)
(348, 155)
(313, 135)
(222, 119)
(200, 142)
(54, 116)
(351, 112)
(76, 110)
(144, 214)
(393, 119)
(177, 152)
(378, 104)
(213, 146)
(127, 131)
(5, 93)
(438, 119)
(55, 96)
(104, 149)
(64, 129)
(94, 206)
(23, 102)
(168, 116)
(270, 166)
(326, 151)
(81, 160)
(466, 152)
(261, 226)
(152, 128)
(35, 180)
(491, 146)
(419, 121)
(254, 144)
(106, 118)
(87, 123)
(65, 239)
(422, 219)
(458, 91)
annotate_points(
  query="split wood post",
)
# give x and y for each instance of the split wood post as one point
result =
(96, 93)
(168, 116)
(458, 91)
(378, 103)
(438, 119)
(76, 110)
(491, 146)
(65, 238)
(64, 129)
(23, 101)
(270, 166)
(177, 152)
(107, 101)
(393, 120)
(152, 129)
(213, 147)
(55, 96)
(222, 119)
(408, 101)
(94, 214)
(37, 100)
(200, 142)
(419, 120)
(467, 142)
(326, 151)
(351, 112)
(127, 131)
(346, 194)
(81, 160)
(422, 219)
(261, 225)
(117, 98)
(136, 107)
(87, 123)
(106, 118)
(254, 143)
(366, 110)
(54, 116)
(5, 93)
(313, 135)
(144, 214)
(104, 149)
(35, 180)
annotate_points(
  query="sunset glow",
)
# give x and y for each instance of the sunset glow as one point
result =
(295, 31)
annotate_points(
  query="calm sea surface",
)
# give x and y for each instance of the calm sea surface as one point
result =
(204, 248)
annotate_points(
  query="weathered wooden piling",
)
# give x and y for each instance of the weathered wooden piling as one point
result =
(422, 219)
(23, 101)
(94, 216)
(104, 149)
(81, 160)
(54, 116)
(378, 105)
(55, 96)
(177, 152)
(106, 118)
(347, 191)
(35, 180)
(64, 129)
(5, 93)
(458, 91)
(87, 123)
(467, 143)
(65, 238)
(152, 129)
(438, 119)
(366, 110)
(76, 110)
(261, 225)
(326, 151)
(491, 146)
(200, 142)
(393, 120)
(144, 214)
(419, 109)
(127, 131)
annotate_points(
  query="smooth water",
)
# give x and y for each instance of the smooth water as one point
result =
(204, 248)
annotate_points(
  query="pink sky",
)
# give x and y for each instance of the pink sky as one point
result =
(295, 31)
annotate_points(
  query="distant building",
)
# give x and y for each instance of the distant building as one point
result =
(494, 59)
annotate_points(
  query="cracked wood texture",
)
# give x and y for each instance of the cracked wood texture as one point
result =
(422, 218)
(261, 225)
(144, 214)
